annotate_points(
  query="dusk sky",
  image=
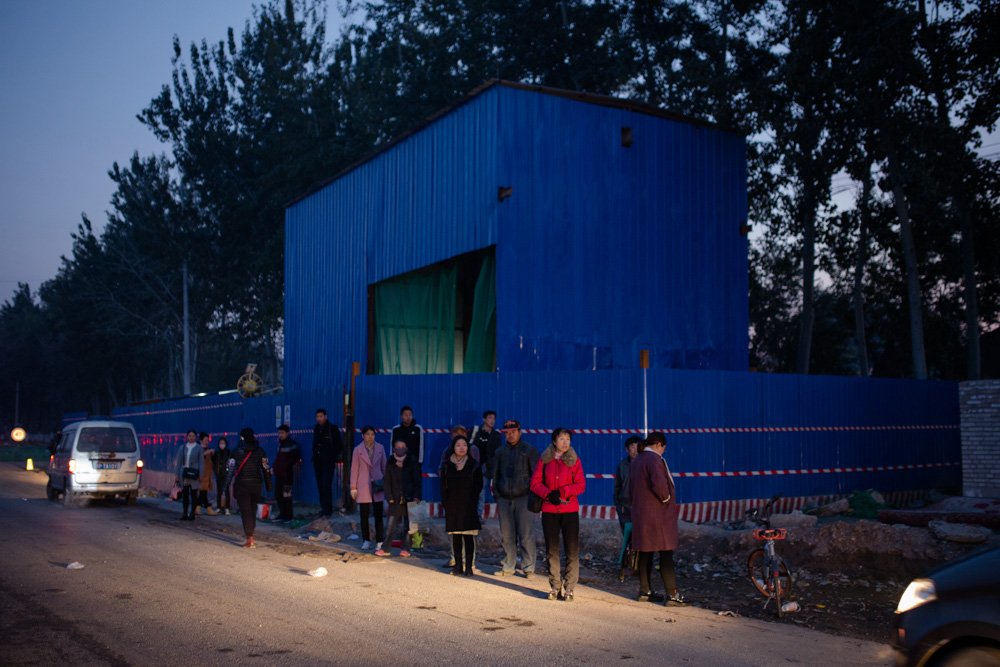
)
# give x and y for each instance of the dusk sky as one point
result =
(74, 75)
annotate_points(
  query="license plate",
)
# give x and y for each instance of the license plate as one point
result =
(108, 465)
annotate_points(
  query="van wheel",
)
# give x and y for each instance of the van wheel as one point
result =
(50, 492)
(130, 498)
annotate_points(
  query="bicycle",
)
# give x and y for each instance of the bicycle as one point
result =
(769, 573)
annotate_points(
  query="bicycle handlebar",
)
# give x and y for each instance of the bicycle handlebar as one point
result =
(754, 514)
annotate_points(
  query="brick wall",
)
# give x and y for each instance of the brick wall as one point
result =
(980, 409)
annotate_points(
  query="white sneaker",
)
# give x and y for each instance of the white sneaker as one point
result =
(366, 545)
(378, 546)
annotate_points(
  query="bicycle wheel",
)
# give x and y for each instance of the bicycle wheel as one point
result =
(757, 569)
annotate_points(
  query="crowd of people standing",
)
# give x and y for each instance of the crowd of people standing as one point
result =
(522, 481)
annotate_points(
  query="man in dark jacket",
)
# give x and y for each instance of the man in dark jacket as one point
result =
(623, 502)
(513, 465)
(409, 432)
(488, 441)
(288, 457)
(327, 451)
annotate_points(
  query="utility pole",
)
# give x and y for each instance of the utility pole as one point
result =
(187, 342)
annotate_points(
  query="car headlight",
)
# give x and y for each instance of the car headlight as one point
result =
(920, 591)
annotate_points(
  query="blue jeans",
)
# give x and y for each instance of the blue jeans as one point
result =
(516, 524)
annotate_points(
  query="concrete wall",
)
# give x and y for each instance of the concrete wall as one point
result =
(980, 418)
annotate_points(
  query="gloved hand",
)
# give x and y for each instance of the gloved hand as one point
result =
(553, 497)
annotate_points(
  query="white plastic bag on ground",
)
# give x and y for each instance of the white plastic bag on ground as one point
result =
(418, 513)
(318, 572)
(75, 565)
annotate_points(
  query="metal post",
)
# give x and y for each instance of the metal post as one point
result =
(186, 373)
(644, 364)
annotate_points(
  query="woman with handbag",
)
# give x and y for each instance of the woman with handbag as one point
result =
(247, 471)
(461, 482)
(189, 465)
(559, 480)
(367, 488)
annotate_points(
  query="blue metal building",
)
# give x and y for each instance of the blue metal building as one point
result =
(551, 236)
(616, 227)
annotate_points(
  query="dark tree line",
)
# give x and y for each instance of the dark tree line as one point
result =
(874, 200)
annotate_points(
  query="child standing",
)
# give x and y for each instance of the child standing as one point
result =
(402, 485)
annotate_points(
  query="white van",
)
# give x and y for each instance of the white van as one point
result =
(95, 459)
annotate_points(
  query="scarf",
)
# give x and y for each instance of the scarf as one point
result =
(399, 459)
(459, 462)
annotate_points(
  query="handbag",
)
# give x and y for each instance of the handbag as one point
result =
(175, 492)
(189, 473)
(378, 486)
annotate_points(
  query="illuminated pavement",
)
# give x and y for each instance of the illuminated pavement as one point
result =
(157, 591)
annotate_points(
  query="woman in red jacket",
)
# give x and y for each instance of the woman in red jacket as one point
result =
(558, 479)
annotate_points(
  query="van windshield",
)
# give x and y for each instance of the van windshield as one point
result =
(106, 439)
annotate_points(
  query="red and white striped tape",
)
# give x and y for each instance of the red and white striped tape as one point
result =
(724, 429)
(161, 438)
(767, 473)
(715, 510)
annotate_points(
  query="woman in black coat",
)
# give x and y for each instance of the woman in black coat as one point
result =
(247, 471)
(461, 482)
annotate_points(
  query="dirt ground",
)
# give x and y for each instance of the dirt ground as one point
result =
(848, 574)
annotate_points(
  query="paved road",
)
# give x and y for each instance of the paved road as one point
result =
(157, 591)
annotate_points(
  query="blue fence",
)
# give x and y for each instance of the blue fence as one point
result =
(731, 435)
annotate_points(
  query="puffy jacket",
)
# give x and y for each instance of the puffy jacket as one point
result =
(512, 470)
(253, 473)
(564, 475)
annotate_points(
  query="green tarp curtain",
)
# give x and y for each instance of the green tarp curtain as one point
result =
(415, 323)
(480, 349)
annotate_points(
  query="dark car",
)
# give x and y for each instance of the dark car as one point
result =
(952, 617)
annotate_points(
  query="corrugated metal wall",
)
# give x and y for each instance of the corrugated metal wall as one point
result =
(602, 250)
(431, 197)
(605, 250)
(732, 435)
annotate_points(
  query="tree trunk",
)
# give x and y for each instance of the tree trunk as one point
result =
(808, 314)
(973, 352)
(858, 298)
(912, 270)
(955, 154)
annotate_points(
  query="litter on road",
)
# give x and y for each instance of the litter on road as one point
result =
(318, 572)
(75, 565)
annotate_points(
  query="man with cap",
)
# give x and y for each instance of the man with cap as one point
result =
(512, 467)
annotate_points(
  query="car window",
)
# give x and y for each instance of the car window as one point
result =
(64, 444)
(106, 439)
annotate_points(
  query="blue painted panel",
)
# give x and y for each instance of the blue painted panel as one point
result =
(431, 197)
(717, 422)
(601, 250)
(605, 250)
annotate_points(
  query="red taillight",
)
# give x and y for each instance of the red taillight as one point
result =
(138, 466)
(72, 466)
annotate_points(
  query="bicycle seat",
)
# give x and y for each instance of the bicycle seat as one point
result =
(770, 534)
